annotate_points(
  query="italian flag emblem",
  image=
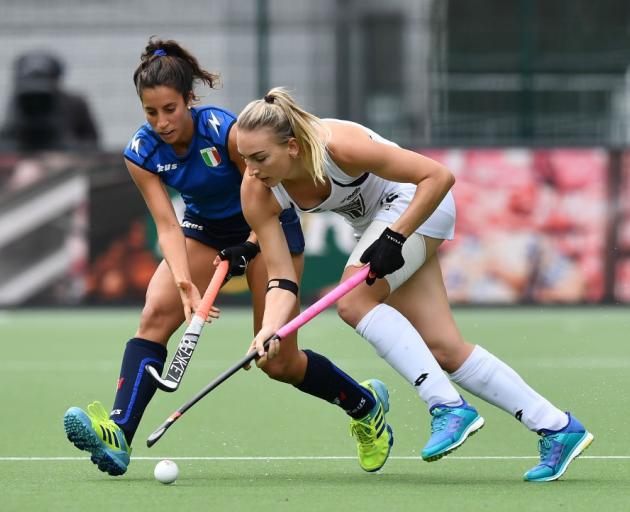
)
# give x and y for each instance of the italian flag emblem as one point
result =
(211, 156)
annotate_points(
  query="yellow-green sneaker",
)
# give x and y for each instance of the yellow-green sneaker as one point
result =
(96, 433)
(374, 436)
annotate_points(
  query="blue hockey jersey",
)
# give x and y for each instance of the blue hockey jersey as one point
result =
(207, 180)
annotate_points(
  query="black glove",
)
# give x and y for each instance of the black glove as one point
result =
(239, 257)
(384, 255)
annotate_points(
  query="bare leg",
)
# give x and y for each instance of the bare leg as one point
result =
(470, 366)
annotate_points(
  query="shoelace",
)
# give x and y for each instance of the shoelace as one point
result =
(548, 454)
(439, 421)
(98, 412)
(364, 433)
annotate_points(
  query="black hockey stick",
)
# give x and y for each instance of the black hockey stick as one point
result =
(312, 311)
(186, 347)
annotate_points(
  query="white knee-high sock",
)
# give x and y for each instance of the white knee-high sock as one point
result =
(398, 342)
(489, 378)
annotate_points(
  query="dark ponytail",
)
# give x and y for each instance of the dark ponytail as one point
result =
(165, 62)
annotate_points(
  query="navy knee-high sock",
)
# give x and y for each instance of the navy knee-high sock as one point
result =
(324, 380)
(135, 387)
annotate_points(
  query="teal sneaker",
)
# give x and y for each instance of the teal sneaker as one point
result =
(450, 427)
(375, 437)
(557, 449)
(96, 433)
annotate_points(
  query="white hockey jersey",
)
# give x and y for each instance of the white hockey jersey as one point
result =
(356, 199)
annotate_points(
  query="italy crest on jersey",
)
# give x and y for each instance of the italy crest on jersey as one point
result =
(211, 156)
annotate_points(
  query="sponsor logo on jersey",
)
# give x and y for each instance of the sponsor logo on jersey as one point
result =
(211, 156)
(191, 225)
(353, 205)
(388, 200)
(214, 122)
(352, 196)
(135, 146)
(166, 167)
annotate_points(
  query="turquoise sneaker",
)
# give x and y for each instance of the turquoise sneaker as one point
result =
(557, 449)
(450, 427)
(375, 437)
(94, 432)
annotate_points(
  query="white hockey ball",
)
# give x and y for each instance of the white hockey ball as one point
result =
(166, 471)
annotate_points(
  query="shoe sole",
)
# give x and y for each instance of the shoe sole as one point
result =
(85, 439)
(584, 443)
(472, 429)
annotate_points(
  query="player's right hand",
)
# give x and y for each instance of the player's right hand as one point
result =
(239, 257)
(190, 298)
(257, 346)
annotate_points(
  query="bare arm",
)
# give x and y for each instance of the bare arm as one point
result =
(237, 160)
(261, 212)
(171, 238)
(356, 153)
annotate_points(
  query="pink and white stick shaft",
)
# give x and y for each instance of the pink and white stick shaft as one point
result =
(309, 313)
(326, 301)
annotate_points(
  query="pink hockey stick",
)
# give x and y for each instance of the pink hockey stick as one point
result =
(292, 326)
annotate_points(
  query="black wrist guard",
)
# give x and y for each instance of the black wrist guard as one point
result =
(285, 284)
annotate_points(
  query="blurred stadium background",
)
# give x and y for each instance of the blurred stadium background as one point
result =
(527, 102)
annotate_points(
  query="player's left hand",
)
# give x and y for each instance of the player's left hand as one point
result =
(213, 314)
(239, 257)
(384, 255)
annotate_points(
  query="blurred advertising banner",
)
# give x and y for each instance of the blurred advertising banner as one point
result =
(531, 225)
(620, 257)
(43, 229)
(545, 226)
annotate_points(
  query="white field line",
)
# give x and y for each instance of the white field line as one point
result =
(574, 363)
(307, 458)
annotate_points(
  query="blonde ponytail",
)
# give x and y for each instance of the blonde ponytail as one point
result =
(279, 111)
